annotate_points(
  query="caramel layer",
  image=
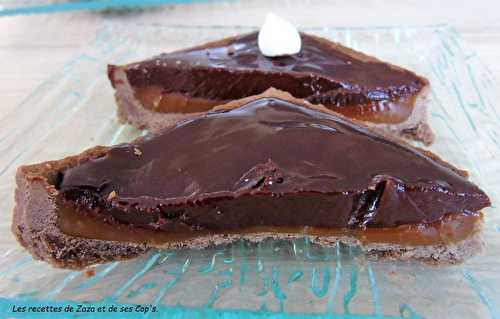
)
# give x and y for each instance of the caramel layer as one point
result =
(450, 229)
(152, 98)
(385, 111)
(388, 112)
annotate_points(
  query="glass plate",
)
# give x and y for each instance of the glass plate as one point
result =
(16, 7)
(74, 109)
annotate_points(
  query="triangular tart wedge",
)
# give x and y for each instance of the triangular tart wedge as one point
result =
(265, 166)
(158, 91)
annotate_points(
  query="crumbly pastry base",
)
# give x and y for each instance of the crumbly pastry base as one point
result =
(434, 254)
(131, 111)
(35, 221)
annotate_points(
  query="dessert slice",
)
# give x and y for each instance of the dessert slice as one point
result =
(156, 92)
(264, 166)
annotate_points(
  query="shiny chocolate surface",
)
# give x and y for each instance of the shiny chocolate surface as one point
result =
(323, 72)
(267, 163)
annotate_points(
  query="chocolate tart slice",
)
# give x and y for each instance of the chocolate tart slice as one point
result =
(264, 166)
(156, 92)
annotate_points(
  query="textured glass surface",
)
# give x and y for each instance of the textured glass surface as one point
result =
(15, 7)
(74, 109)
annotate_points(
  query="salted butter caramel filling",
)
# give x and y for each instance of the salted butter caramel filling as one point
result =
(391, 111)
(152, 98)
(449, 229)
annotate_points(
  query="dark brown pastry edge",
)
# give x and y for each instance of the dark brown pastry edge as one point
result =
(35, 220)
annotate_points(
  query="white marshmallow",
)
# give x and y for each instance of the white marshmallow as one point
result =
(278, 37)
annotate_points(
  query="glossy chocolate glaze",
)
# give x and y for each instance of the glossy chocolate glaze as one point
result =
(267, 163)
(322, 72)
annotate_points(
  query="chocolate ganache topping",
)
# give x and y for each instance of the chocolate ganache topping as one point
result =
(267, 163)
(233, 68)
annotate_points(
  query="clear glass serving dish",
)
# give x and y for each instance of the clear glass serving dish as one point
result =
(74, 109)
(16, 7)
